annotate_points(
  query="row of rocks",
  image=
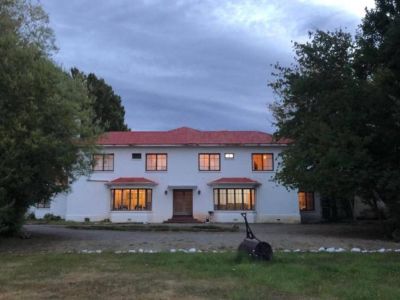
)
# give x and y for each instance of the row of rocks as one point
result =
(190, 250)
(338, 250)
(194, 250)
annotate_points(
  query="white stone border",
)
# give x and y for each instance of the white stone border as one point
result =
(194, 250)
(339, 250)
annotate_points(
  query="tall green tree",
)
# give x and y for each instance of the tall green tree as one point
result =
(378, 62)
(339, 103)
(46, 131)
(109, 111)
(30, 22)
(319, 109)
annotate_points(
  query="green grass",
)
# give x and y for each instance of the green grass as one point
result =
(199, 276)
(102, 225)
(55, 222)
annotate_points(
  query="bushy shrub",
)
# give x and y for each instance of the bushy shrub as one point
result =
(31, 216)
(51, 217)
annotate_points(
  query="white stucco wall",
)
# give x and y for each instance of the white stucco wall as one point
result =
(90, 197)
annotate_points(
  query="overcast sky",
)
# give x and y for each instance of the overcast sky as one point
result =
(198, 63)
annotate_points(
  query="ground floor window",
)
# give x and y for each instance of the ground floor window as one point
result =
(306, 201)
(234, 199)
(43, 204)
(131, 199)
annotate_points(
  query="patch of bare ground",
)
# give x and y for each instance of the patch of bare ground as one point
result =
(119, 285)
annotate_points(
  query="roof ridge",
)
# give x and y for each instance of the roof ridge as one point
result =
(184, 128)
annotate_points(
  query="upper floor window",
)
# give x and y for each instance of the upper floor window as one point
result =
(156, 162)
(136, 155)
(103, 162)
(209, 162)
(229, 155)
(306, 201)
(43, 204)
(263, 162)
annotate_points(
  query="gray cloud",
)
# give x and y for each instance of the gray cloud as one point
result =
(203, 64)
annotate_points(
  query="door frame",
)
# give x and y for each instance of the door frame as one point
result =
(173, 202)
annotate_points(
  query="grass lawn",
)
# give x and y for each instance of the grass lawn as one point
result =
(199, 276)
(135, 227)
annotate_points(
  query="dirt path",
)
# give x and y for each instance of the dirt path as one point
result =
(281, 236)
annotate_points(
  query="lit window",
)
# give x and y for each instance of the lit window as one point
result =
(234, 199)
(156, 162)
(103, 162)
(263, 162)
(229, 156)
(306, 201)
(209, 162)
(126, 199)
(131, 199)
(231, 199)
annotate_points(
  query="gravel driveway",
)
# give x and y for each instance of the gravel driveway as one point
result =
(56, 238)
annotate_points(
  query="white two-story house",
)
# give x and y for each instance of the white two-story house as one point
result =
(183, 175)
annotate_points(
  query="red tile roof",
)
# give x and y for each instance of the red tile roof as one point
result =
(234, 180)
(188, 136)
(131, 180)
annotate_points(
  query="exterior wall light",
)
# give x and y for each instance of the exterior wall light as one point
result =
(198, 192)
(166, 192)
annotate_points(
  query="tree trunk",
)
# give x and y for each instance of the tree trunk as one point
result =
(351, 204)
(375, 200)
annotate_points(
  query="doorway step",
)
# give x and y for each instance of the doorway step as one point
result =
(183, 219)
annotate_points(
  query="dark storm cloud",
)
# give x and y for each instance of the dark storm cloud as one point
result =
(203, 64)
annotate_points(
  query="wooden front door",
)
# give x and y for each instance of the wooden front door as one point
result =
(183, 202)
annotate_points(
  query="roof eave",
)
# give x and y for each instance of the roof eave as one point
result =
(194, 145)
(234, 183)
(131, 183)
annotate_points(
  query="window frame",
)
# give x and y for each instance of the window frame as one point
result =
(103, 155)
(137, 189)
(209, 164)
(252, 199)
(263, 170)
(306, 209)
(43, 204)
(156, 167)
(137, 154)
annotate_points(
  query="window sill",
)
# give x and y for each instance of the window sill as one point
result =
(131, 211)
(235, 211)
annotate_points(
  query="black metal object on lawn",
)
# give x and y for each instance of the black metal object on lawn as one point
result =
(253, 246)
